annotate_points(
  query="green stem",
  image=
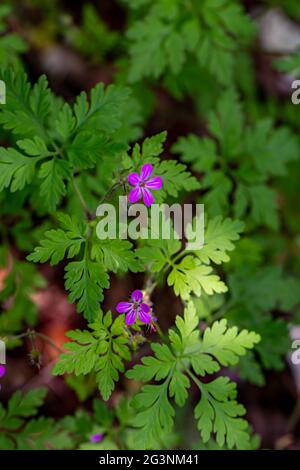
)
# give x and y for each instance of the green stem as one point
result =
(32, 334)
(82, 200)
(49, 341)
(177, 257)
(195, 379)
(110, 192)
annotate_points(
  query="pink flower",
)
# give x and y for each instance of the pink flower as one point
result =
(135, 308)
(2, 370)
(98, 437)
(142, 184)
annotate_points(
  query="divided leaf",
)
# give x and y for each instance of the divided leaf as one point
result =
(19, 432)
(102, 351)
(217, 412)
(219, 235)
(58, 242)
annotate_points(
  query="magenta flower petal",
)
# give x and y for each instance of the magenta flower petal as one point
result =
(147, 197)
(146, 171)
(145, 308)
(98, 437)
(133, 179)
(154, 183)
(130, 317)
(144, 316)
(123, 307)
(135, 195)
(2, 370)
(137, 295)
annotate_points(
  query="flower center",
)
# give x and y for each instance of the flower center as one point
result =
(142, 184)
(136, 305)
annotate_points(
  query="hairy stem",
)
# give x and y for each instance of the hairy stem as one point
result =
(32, 334)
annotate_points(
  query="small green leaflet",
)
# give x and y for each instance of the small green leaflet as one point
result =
(224, 344)
(290, 64)
(262, 201)
(16, 170)
(102, 350)
(59, 242)
(104, 111)
(27, 111)
(175, 178)
(148, 152)
(226, 124)
(17, 433)
(86, 279)
(117, 255)
(34, 147)
(190, 277)
(201, 153)
(54, 173)
(219, 235)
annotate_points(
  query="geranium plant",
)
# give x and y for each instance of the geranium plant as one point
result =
(159, 334)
